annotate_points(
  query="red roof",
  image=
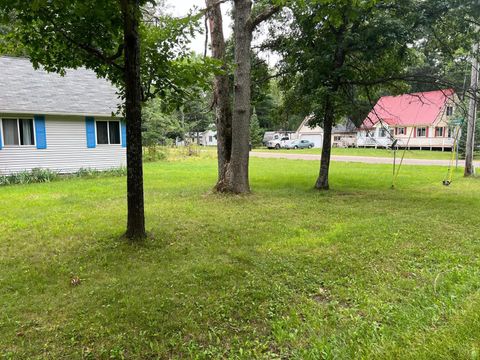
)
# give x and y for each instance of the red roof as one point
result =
(421, 108)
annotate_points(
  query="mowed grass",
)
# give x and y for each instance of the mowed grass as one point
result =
(372, 152)
(361, 271)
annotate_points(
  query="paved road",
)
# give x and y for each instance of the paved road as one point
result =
(360, 159)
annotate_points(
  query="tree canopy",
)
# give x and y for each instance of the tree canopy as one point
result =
(62, 34)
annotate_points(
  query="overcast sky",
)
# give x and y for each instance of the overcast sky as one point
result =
(181, 8)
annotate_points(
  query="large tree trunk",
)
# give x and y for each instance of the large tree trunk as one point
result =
(221, 94)
(322, 181)
(133, 117)
(238, 182)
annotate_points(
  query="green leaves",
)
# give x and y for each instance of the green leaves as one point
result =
(62, 34)
(349, 51)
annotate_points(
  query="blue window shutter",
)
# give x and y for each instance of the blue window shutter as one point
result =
(90, 125)
(1, 143)
(124, 134)
(40, 132)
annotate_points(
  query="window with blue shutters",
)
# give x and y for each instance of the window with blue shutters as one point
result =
(17, 132)
(108, 132)
(104, 132)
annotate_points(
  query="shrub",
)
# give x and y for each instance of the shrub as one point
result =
(27, 177)
(93, 173)
(155, 153)
(192, 150)
(46, 175)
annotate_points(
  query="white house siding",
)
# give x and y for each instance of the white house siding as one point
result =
(371, 139)
(209, 138)
(406, 140)
(66, 150)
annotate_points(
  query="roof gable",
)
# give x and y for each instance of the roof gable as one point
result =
(347, 127)
(306, 128)
(80, 92)
(409, 109)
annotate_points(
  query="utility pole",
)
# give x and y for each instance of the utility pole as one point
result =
(472, 114)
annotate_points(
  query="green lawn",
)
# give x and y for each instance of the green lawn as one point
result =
(359, 272)
(409, 154)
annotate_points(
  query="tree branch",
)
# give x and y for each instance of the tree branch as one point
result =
(118, 54)
(266, 14)
(109, 60)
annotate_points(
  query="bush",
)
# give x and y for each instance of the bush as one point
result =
(192, 150)
(46, 175)
(92, 173)
(28, 177)
(155, 153)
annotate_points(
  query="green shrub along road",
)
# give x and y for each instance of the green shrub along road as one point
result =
(361, 271)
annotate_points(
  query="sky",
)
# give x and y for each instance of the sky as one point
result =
(181, 8)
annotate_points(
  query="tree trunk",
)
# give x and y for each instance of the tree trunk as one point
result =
(238, 183)
(133, 117)
(472, 115)
(221, 95)
(329, 115)
(322, 181)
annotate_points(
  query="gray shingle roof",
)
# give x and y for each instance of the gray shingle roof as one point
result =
(79, 92)
(348, 127)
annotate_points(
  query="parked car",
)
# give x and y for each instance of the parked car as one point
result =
(300, 144)
(278, 143)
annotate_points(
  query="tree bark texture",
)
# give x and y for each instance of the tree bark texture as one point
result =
(329, 115)
(221, 96)
(322, 181)
(472, 115)
(238, 181)
(133, 116)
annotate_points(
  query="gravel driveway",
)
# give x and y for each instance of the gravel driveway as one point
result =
(359, 159)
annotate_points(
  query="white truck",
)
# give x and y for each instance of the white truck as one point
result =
(278, 141)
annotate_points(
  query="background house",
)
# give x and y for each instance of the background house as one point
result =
(62, 123)
(305, 132)
(417, 121)
(344, 135)
(202, 138)
(208, 138)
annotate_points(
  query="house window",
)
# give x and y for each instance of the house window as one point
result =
(401, 131)
(108, 132)
(18, 132)
(382, 132)
(210, 138)
(449, 110)
(439, 131)
(421, 132)
(336, 138)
